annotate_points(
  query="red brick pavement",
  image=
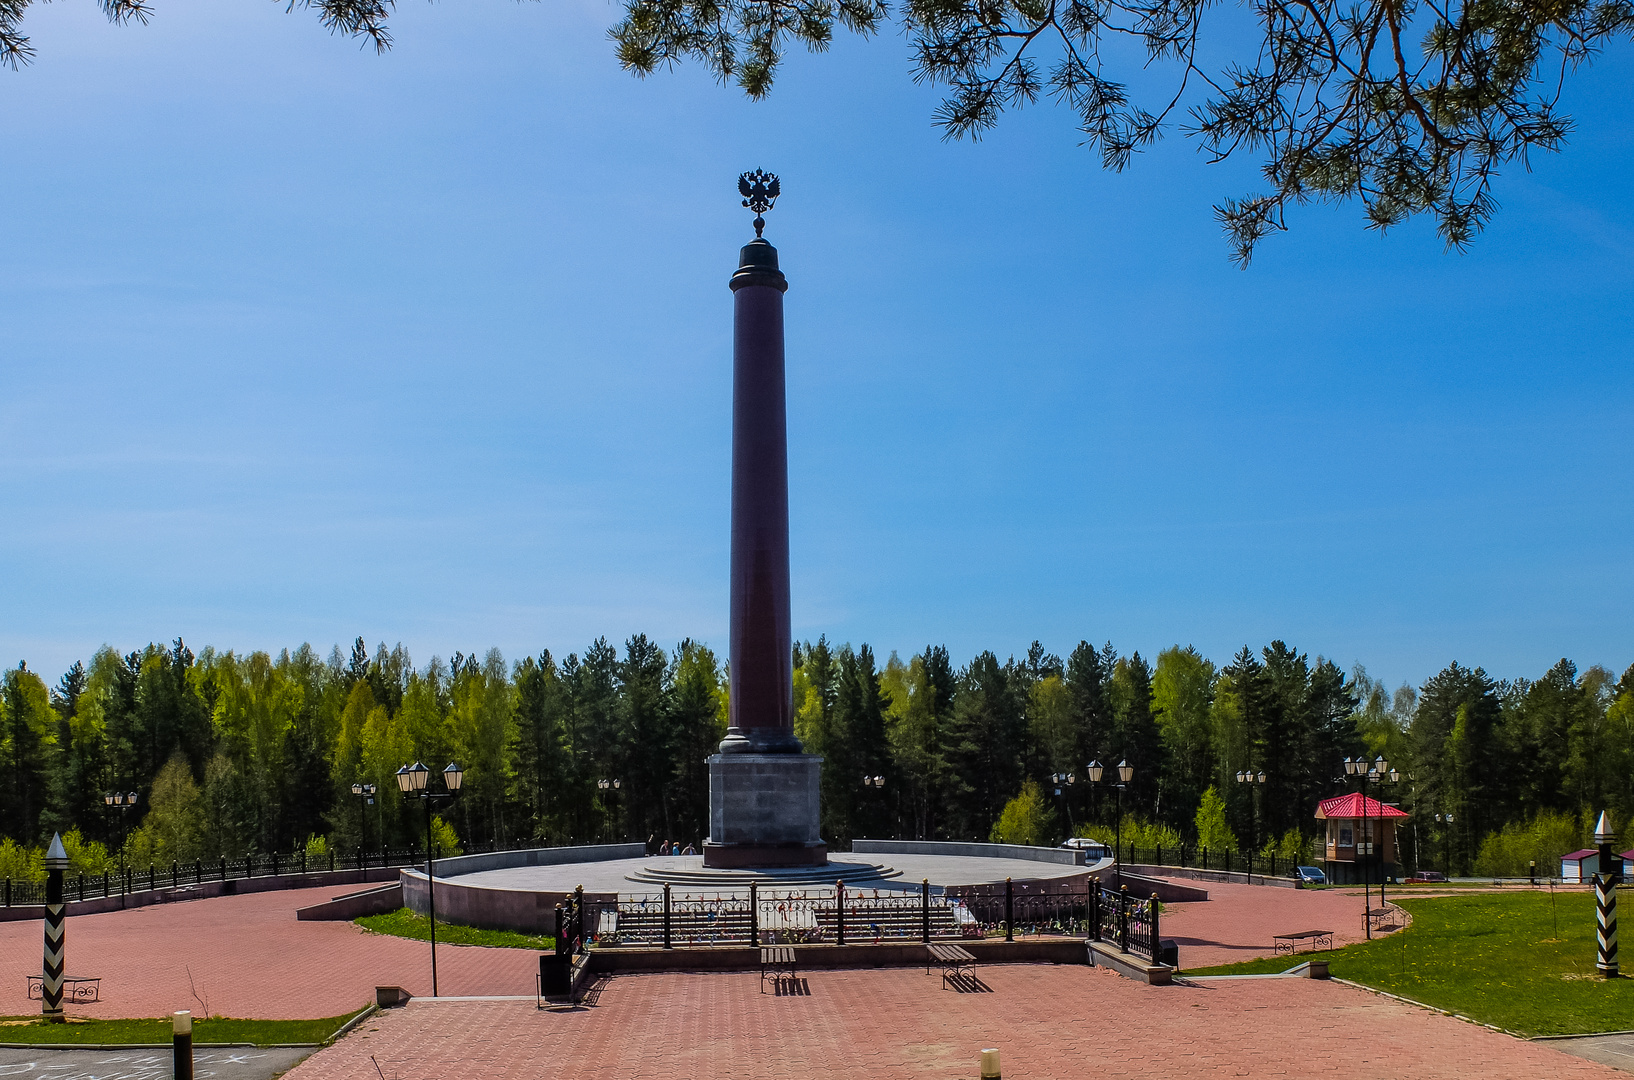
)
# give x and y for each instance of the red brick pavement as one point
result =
(249, 957)
(1237, 922)
(1063, 1022)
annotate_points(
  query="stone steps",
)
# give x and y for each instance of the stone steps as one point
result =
(698, 878)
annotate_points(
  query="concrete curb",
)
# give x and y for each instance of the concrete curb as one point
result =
(1585, 1035)
(366, 1012)
(1431, 1008)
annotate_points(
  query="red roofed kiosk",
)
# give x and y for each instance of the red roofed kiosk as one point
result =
(1361, 834)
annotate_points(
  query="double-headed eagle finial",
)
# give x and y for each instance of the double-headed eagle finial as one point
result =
(760, 190)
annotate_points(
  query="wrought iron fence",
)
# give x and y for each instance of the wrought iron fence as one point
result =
(19, 892)
(1128, 922)
(843, 915)
(1202, 858)
(1028, 907)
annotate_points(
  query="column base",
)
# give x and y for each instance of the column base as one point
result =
(764, 810)
(748, 856)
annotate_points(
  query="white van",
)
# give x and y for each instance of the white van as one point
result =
(1094, 851)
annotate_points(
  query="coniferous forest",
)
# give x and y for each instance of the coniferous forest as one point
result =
(231, 754)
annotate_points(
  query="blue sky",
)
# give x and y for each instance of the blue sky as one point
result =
(303, 343)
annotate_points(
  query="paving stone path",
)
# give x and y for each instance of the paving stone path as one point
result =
(1237, 922)
(1049, 1022)
(248, 957)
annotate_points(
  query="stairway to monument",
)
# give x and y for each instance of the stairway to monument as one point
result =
(697, 877)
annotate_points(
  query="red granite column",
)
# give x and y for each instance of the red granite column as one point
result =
(760, 645)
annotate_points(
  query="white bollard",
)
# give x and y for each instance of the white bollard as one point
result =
(181, 1050)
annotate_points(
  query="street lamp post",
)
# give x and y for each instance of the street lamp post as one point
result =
(1062, 782)
(1126, 773)
(1379, 772)
(121, 801)
(1445, 821)
(1249, 776)
(1094, 770)
(365, 799)
(609, 785)
(871, 783)
(411, 781)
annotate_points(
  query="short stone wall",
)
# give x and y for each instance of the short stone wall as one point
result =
(1064, 856)
(1167, 892)
(346, 908)
(492, 907)
(506, 860)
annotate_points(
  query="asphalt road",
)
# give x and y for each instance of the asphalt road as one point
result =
(1614, 1050)
(237, 1063)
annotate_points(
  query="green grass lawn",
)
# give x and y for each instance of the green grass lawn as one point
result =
(30, 1029)
(405, 923)
(1494, 957)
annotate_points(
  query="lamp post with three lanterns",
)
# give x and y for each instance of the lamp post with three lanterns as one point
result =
(411, 781)
(121, 801)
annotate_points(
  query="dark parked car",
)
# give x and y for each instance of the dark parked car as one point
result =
(1311, 875)
(1428, 875)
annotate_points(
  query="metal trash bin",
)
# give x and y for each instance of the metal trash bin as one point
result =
(1169, 953)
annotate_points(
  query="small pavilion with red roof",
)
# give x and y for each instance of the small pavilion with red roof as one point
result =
(1361, 836)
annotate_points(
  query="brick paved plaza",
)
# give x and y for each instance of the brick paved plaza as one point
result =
(1237, 922)
(252, 958)
(1050, 1023)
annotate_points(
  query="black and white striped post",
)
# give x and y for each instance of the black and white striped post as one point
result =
(56, 862)
(1605, 900)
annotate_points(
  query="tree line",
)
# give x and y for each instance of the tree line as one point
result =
(234, 753)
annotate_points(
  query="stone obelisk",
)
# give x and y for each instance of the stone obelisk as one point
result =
(763, 792)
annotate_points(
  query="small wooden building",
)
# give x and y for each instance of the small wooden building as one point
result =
(1579, 867)
(1361, 838)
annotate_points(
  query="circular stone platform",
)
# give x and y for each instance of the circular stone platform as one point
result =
(904, 872)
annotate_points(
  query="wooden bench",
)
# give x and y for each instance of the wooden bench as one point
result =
(1382, 918)
(954, 960)
(74, 987)
(1289, 943)
(780, 961)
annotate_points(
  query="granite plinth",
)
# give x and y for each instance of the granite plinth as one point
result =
(763, 856)
(764, 810)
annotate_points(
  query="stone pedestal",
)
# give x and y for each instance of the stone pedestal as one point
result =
(764, 810)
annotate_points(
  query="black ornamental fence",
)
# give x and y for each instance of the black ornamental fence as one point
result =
(1128, 922)
(840, 915)
(20, 892)
(1191, 856)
